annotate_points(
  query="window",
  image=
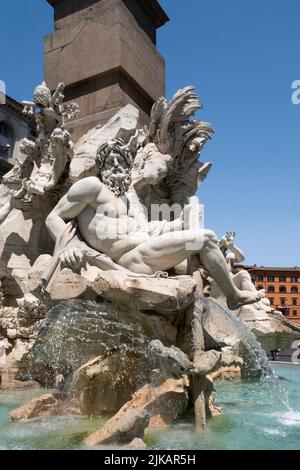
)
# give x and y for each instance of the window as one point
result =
(294, 279)
(294, 313)
(6, 131)
(260, 288)
(282, 289)
(294, 301)
(282, 302)
(294, 290)
(7, 140)
(271, 301)
(282, 278)
(260, 278)
(271, 279)
(271, 289)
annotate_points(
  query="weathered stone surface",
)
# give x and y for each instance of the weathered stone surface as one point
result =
(272, 329)
(104, 384)
(233, 335)
(211, 408)
(77, 332)
(8, 320)
(19, 350)
(69, 285)
(164, 401)
(122, 65)
(231, 368)
(11, 358)
(44, 406)
(22, 240)
(4, 346)
(9, 383)
(207, 362)
(37, 270)
(125, 426)
(173, 362)
(162, 295)
(136, 444)
(139, 293)
(35, 408)
(160, 403)
(19, 327)
(121, 126)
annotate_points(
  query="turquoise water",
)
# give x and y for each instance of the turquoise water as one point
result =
(256, 415)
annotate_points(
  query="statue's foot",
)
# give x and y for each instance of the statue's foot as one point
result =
(245, 298)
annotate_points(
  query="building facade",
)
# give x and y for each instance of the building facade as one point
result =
(282, 286)
(14, 126)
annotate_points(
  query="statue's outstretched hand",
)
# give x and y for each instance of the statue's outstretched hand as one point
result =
(72, 257)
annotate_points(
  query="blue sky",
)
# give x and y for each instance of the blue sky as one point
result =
(242, 56)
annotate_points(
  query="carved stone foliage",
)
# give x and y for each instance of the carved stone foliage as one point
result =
(178, 140)
(47, 157)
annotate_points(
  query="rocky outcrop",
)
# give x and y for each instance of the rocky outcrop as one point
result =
(231, 368)
(212, 410)
(136, 444)
(44, 406)
(161, 295)
(19, 327)
(35, 408)
(102, 386)
(122, 428)
(234, 337)
(99, 348)
(271, 329)
(138, 293)
(155, 405)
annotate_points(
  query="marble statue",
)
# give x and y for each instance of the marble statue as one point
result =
(46, 157)
(107, 223)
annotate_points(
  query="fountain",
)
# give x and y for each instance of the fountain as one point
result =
(113, 295)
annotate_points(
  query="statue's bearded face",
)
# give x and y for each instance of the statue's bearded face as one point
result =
(115, 173)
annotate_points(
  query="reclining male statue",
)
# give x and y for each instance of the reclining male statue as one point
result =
(107, 223)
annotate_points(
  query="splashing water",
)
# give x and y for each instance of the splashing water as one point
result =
(255, 357)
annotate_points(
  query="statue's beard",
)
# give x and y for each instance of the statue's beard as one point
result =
(118, 180)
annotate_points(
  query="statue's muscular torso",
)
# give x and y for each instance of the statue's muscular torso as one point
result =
(107, 222)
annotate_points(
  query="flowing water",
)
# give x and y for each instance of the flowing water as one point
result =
(254, 355)
(253, 418)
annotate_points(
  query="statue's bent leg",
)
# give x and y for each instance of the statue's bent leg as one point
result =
(214, 262)
(243, 281)
(160, 253)
(168, 250)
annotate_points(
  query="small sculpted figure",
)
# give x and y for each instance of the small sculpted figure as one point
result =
(242, 279)
(47, 156)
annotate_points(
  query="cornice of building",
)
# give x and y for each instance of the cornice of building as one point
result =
(152, 8)
(17, 108)
(268, 268)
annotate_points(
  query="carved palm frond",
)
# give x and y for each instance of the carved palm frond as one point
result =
(175, 133)
(158, 109)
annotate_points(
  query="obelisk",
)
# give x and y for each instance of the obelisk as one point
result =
(105, 53)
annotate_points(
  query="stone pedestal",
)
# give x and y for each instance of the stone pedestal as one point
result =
(105, 53)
